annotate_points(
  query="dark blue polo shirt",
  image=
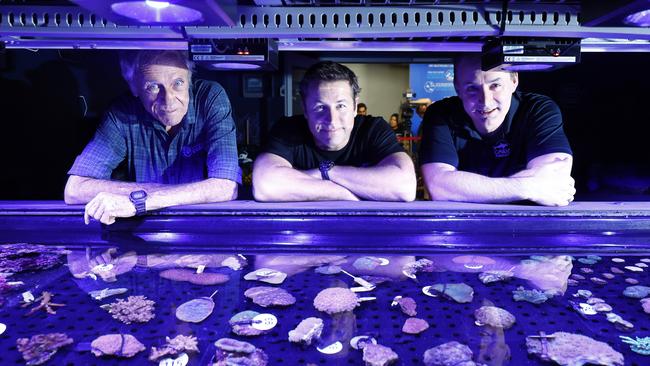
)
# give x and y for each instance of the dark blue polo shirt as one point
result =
(532, 127)
(205, 146)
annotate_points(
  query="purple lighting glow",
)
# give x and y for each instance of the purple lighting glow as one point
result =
(640, 19)
(157, 4)
(527, 67)
(235, 66)
(150, 11)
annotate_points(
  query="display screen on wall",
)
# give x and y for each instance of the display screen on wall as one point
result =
(433, 81)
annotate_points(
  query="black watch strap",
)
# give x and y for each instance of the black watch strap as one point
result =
(324, 168)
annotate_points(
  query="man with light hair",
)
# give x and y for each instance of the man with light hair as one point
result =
(493, 144)
(173, 142)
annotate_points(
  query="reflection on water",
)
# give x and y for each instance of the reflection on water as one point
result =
(113, 306)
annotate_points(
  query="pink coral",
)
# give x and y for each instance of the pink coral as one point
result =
(336, 300)
(119, 345)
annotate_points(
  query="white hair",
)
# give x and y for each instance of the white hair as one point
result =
(133, 62)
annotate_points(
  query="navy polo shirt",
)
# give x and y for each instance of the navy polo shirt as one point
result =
(532, 127)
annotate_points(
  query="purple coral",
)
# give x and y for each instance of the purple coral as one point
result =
(573, 349)
(336, 300)
(415, 326)
(206, 278)
(41, 347)
(420, 265)
(15, 258)
(308, 330)
(233, 352)
(270, 296)
(135, 309)
(408, 306)
(174, 346)
(378, 355)
(449, 354)
(494, 317)
(646, 305)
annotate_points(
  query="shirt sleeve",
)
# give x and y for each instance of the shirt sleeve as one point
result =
(221, 137)
(547, 133)
(282, 138)
(437, 144)
(383, 141)
(104, 152)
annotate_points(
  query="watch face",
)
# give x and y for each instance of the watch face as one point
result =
(137, 195)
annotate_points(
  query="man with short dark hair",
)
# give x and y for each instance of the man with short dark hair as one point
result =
(174, 143)
(329, 154)
(362, 110)
(493, 144)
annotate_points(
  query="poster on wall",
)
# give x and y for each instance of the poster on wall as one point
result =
(433, 81)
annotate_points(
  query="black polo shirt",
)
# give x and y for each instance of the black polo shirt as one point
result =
(532, 127)
(371, 140)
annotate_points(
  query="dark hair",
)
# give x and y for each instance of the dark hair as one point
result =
(361, 105)
(395, 115)
(329, 71)
(473, 57)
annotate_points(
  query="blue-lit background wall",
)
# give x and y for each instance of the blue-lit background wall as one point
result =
(433, 81)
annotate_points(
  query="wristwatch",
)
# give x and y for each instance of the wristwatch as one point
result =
(138, 198)
(324, 168)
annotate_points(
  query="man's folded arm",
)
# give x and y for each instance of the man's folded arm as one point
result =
(275, 179)
(445, 183)
(546, 180)
(81, 190)
(392, 179)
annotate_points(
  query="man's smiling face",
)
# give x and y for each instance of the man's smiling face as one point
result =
(330, 111)
(486, 95)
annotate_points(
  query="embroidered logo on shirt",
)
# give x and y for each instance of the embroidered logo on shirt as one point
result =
(188, 151)
(501, 149)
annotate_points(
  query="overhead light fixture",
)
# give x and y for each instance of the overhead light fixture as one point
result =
(234, 66)
(158, 12)
(528, 54)
(152, 12)
(234, 54)
(615, 13)
(640, 19)
(157, 4)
